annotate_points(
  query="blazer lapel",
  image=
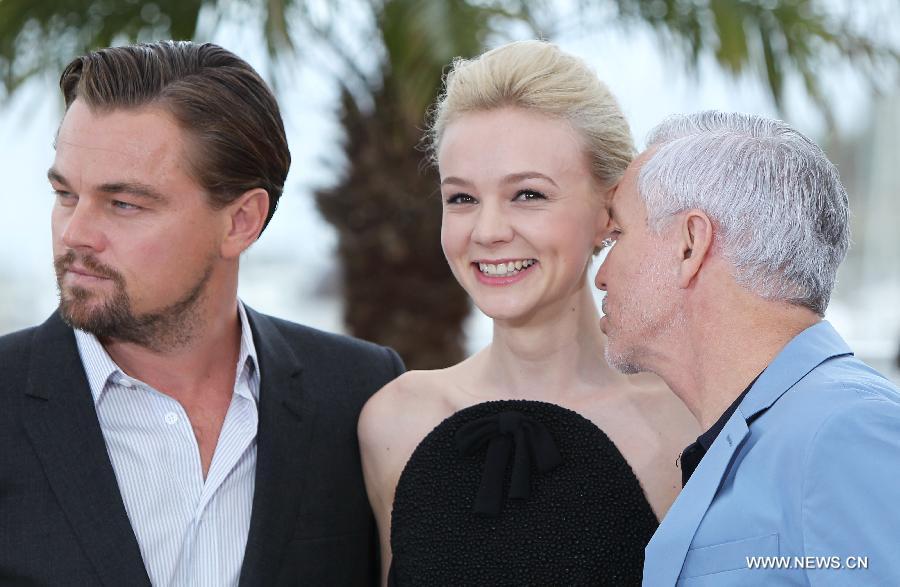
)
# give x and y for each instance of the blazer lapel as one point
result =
(809, 349)
(286, 414)
(667, 549)
(61, 422)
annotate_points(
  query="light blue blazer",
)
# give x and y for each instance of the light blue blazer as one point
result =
(806, 469)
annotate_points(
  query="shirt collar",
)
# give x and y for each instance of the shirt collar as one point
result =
(247, 358)
(707, 439)
(99, 366)
(690, 457)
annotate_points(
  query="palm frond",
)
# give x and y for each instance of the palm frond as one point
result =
(769, 38)
(37, 37)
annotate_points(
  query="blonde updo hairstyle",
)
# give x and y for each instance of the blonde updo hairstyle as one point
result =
(538, 76)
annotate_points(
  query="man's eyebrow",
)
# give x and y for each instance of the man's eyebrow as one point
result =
(137, 189)
(140, 190)
(54, 175)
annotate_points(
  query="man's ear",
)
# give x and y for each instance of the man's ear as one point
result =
(245, 219)
(695, 243)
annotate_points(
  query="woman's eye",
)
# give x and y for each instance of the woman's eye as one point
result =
(460, 199)
(526, 195)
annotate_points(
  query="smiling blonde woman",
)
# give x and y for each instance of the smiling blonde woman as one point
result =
(531, 462)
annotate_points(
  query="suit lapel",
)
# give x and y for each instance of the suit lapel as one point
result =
(286, 413)
(667, 550)
(805, 352)
(61, 422)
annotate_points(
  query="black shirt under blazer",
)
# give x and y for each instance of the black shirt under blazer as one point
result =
(62, 518)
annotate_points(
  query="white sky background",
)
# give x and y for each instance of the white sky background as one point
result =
(648, 84)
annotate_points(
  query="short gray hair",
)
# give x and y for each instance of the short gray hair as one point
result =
(776, 201)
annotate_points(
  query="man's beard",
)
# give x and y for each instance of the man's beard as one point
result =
(622, 360)
(646, 315)
(164, 329)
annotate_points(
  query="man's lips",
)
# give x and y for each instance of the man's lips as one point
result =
(82, 272)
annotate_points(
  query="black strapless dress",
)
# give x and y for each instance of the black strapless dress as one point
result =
(518, 492)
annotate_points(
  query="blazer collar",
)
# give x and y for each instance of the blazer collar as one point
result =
(668, 548)
(802, 354)
(60, 420)
(286, 418)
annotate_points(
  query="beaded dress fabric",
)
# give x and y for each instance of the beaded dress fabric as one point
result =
(518, 492)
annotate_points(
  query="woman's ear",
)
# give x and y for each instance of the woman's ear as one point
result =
(603, 217)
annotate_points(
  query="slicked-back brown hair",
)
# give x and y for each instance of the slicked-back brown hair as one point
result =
(235, 133)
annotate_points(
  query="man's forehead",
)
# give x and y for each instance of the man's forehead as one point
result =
(626, 195)
(146, 136)
(634, 168)
(122, 128)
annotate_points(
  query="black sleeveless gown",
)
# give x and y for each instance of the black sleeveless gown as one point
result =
(518, 492)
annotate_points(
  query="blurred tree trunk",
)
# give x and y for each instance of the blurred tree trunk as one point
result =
(397, 287)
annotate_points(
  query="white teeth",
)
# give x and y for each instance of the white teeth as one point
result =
(505, 269)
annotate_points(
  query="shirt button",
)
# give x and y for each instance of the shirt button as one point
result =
(171, 418)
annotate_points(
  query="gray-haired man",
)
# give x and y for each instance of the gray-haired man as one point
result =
(729, 231)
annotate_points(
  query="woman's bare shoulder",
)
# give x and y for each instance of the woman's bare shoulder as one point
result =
(651, 426)
(409, 395)
(404, 411)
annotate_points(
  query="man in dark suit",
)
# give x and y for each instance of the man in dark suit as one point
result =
(154, 429)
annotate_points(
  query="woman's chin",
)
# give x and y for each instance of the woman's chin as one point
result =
(515, 314)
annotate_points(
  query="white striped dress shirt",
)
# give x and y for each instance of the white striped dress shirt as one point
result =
(191, 531)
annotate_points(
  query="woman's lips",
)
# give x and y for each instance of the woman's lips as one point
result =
(502, 280)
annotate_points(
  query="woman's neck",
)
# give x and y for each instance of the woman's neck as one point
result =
(549, 356)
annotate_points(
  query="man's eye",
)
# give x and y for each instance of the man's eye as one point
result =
(64, 196)
(460, 199)
(527, 195)
(125, 205)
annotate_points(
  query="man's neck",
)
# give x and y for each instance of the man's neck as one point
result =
(719, 356)
(209, 356)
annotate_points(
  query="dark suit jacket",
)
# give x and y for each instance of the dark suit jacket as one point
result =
(62, 518)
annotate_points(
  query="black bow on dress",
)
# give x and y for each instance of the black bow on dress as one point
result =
(502, 432)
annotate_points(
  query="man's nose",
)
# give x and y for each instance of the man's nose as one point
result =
(600, 278)
(81, 229)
